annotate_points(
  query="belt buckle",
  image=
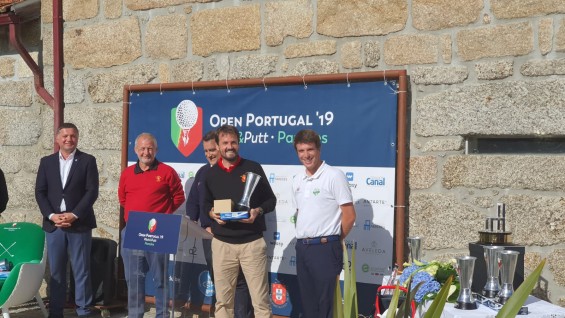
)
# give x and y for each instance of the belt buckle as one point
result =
(323, 240)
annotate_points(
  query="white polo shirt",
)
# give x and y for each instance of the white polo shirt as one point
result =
(317, 200)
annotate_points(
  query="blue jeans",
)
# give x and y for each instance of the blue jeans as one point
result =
(137, 264)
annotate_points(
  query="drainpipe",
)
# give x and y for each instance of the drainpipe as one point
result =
(56, 102)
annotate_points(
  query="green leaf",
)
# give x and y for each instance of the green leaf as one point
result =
(517, 300)
(436, 308)
(393, 303)
(404, 310)
(338, 304)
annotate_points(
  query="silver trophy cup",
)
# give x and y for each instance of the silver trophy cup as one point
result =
(492, 287)
(508, 260)
(465, 267)
(251, 181)
(414, 244)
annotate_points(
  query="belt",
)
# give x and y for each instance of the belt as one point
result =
(318, 240)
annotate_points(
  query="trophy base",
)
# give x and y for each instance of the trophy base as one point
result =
(487, 237)
(234, 216)
(490, 293)
(466, 306)
(502, 300)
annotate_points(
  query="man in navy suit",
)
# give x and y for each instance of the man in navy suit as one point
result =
(66, 189)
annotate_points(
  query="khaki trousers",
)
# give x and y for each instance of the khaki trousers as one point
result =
(252, 257)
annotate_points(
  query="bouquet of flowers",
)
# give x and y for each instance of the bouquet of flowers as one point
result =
(432, 275)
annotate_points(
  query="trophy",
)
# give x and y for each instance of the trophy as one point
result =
(465, 267)
(496, 229)
(508, 261)
(414, 243)
(251, 181)
(492, 287)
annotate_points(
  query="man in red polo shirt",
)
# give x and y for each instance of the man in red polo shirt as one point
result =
(147, 186)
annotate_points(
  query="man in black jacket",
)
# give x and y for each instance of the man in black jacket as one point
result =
(65, 190)
(3, 192)
(240, 243)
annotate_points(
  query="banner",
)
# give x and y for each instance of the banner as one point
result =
(357, 125)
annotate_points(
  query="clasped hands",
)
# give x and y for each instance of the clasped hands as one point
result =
(253, 214)
(64, 219)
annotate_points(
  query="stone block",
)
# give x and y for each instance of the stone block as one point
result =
(351, 55)
(187, 71)
(254, 66)
(22, 70)
(545, 35)
(560, 37)
(153, 4)
(444, 144)
(422, 172)
(431, 15)
(164, 74)
(108, 87)
(372, 52)
(218, 67)
(7, 66)
(21, 187)
(513, 9)
(47, 45)
(445, 43)
(213, 30)
(101, 45)
(305, 49)
(438, 75)
(436, 217)
(112, 9)
(100, 127)
(74, 87)
(543, 67)
(508, 108)
(72, 10)
(380, 17)
(19, 127)
(287, 18)
(503, 40)
(556, 261)
(494, 70)
(535, 219)
(411, 49)
(21, 159)
(15, 93)
(166, 37)
(315, 67)
(518, 172)
(107, 210)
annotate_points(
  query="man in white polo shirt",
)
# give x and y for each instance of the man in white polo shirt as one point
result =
(324, 216)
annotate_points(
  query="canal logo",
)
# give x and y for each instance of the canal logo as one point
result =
(186, 126)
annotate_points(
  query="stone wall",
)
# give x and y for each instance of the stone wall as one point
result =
(476, 67)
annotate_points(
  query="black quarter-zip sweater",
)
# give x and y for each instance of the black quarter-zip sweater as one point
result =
(221, 184)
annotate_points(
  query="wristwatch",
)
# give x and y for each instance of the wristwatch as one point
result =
(260, 210)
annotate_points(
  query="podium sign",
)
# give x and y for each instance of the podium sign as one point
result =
(153, 232)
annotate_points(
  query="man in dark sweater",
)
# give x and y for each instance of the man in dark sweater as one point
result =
(240, 243)
(195, 211)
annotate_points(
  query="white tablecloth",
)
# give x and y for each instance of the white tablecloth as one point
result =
(537, 309)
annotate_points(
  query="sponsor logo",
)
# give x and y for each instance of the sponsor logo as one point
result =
(191, 174)
(369, 225)
(369, 202)
(350, 176)
(276, 236)
(293, 219)
(152, 226)
(243, 178)
(316, 191)
(274, 178)
(373, 270)
(374, 249)
(375, 181)
(205, 284)
(186, 126)
(278, 294)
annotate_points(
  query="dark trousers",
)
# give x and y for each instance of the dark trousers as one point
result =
(242, 302)
(137, 264)
(317, 268)
(62, 246)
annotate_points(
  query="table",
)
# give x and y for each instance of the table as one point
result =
(537, 308)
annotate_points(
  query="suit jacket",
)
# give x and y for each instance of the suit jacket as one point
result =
(80, 191)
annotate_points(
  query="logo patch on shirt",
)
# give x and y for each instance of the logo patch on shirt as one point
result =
(158, 179)
(243, 178)
(316, 191)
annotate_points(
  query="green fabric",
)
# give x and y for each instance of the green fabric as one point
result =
(24, 242)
